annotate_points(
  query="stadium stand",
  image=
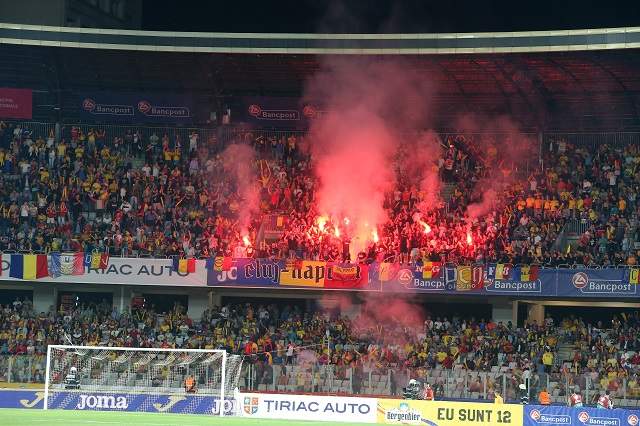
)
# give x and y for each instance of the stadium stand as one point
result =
(143, 193)
(285, 350)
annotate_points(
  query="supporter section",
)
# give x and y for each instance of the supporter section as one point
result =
(375, 343)
(165, 192)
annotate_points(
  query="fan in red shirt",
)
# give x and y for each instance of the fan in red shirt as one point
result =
(575, 400)
(428, 393)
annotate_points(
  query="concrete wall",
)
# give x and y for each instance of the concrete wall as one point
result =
(503, 311)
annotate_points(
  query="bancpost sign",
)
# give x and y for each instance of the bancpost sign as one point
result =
(127, 271)
(308, 407)
(536, 415)
(597, 283)
(446, 413)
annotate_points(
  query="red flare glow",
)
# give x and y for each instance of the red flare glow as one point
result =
(374, 234)
(321, 221)
(427, 228)
(469, 239)
(245, 240)
(336, 232)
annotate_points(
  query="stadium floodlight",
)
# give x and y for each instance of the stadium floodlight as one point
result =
(141, 379)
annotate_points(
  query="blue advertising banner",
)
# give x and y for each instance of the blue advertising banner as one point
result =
(136, 107)
(477, 279)
(432, 277)
(598, 283)
(10, 398)
(279, 273)
(276, 112)
(535, 415)
(176, 403)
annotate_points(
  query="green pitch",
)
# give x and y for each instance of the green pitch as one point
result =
(22, 417)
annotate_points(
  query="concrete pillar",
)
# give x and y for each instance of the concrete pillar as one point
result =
(536, 313)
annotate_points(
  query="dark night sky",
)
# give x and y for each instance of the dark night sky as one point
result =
(380, 16)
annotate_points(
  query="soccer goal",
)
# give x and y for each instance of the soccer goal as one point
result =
(194, 381)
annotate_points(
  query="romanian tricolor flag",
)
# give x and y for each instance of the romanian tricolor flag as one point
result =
(184, 266)
(529, 273)
(99, 260)
(503, 271)
(66, 264)
(524, 273)
(29, 266)
(430, 270)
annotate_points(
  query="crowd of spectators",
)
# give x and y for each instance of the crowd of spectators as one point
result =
(282, 335)
(159, 195)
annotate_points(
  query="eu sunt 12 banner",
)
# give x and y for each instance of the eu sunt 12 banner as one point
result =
(447, 413)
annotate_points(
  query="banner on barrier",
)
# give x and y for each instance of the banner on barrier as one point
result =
(182, 404)
(598, 283)
(276, 112)
(447, 413)
(16, 103)
(308, 407)
(79, 400)
(303, 274)
(122, 270)
(482, 280)
(536, 415)
(136, 107)
(21, 399)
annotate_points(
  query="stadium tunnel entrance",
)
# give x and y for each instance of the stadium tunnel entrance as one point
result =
(351, 303)
(589, 311)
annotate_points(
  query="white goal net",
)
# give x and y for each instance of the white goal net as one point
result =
(194, 381)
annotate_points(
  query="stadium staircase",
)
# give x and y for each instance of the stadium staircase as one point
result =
(565, 351)
(271, 228)
(446, 191)
(572, 231)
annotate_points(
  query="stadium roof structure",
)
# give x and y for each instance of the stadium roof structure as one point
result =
(581, 79)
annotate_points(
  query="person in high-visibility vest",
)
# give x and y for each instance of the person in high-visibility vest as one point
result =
(498, 399)
(544, 398)
(189, 384)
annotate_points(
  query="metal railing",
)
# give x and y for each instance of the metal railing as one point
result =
(456, 383)
(22, 368)
(120, 130)
(594, 139)
(577, 226)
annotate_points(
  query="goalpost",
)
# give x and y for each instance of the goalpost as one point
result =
(192, 381)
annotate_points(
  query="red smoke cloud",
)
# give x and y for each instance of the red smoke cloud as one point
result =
(369, 105)
(506, 154)
(238, 161)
